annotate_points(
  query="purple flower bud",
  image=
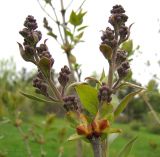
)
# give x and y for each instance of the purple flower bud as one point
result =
(30, 23)
(123, 69)
(104, 94)
(117, 9)
(70, 103)
(64, 76)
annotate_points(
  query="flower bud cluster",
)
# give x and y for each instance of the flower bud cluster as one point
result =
(30, 34)
(40, 85)
(123, 69)
(118, 17)
(70, 103)
(108, 37)
(104, 94)
(64, 76)
(121, 56)
(114, 38)
(30, 51)
(43, 51)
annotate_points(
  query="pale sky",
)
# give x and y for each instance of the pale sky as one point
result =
(144, 13)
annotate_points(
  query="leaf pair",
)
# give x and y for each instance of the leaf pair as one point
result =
(76, 19)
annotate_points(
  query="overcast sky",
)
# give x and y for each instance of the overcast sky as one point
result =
(144, 14)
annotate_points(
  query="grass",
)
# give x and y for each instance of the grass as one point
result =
(147, 145)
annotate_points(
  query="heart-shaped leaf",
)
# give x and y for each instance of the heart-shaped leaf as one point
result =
(88, 97)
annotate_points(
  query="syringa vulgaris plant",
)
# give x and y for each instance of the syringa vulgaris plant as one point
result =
(93, 119)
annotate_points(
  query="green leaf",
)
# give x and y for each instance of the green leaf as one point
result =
(106, 109)
(129, 76)
(78, 37)
(45, 66)
(93, 79)
(73, 85)
(75, 137)
(88, 97)
(109, 131)
(76, 19)
(106, 50)
(50, 33)
(127, 148)
(124, 102)
(37, 98)
(152, 85)
(68, 33)
(109, 117)
(102, 78)
(73, 18)
(133, 85)
(128, 46)
(112, 130)
(81, 28)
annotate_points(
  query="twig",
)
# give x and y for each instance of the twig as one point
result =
(80, 7)
(63, 11)
(46, 12)
(57, 22)
(97, 149)
(54, 89)
(69, 4)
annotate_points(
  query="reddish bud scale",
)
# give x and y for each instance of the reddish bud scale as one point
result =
(84, 130)
(94, 129)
